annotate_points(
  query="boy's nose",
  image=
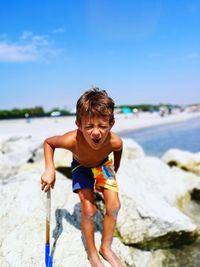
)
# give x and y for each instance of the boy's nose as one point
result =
(96, 131)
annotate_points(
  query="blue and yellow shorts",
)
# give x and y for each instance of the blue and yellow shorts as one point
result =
(100, 177)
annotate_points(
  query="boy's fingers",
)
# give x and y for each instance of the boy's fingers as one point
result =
(47, 188)
(52, 185)
(43, 186)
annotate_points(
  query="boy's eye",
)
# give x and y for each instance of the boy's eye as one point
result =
(91, 126)
(88, 126)
(103, 126)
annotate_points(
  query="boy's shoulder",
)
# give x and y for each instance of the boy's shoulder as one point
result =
(72, 133)
(69, 139)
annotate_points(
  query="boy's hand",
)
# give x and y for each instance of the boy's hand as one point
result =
(48, 179)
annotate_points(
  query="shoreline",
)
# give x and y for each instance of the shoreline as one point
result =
(44, 127)
(158, 123)
(149, 120)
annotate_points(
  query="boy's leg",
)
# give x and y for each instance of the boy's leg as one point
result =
(112, 205)
(88, 210)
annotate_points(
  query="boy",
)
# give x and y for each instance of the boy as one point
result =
(90, 145)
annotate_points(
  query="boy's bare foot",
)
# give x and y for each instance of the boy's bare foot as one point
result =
(95, 261)
(111, 257)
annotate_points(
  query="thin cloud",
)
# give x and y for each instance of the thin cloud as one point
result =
(17, 53)
(26, 34)
(28, 48)
(58, 30)
(40, 40)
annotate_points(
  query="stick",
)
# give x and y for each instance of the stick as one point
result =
(48, 259)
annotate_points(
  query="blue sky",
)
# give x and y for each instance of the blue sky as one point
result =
(139, 51)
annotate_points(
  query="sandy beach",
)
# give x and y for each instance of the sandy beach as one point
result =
(43, 127)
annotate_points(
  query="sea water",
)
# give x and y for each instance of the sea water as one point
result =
(158, 139)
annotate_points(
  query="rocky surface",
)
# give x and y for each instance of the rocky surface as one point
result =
(23, 223)
(153, 195)
(17, 150)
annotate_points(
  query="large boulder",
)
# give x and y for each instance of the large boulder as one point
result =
(183, 159)
(131, 149)
(17, 150)
(152, 197)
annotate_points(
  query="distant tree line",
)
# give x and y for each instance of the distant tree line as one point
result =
(39, 111)
(29, 112)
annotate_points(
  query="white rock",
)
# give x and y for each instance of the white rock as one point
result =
(150, 205)
(183, 159)
(17, 150)
(131, 149)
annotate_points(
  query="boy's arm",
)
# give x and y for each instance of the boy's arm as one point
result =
(48, 177)
(48, 154)
(50, 144)
(117, 153)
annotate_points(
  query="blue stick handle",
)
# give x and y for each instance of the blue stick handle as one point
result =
(47, 251)
(50, 262)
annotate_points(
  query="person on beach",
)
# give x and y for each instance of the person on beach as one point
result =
(92, 169)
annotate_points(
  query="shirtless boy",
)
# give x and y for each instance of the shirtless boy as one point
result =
(91, 144)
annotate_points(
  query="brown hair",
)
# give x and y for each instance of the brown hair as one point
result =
(95, 102)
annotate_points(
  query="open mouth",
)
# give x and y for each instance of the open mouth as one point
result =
(96, 140)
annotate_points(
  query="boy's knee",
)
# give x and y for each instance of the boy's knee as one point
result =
(88, 213)
(113, 210)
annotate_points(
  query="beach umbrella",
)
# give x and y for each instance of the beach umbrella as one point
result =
(48, 258)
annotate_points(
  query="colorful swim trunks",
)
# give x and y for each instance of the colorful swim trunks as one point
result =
(100, 177)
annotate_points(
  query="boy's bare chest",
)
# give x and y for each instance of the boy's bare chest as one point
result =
(89, 157)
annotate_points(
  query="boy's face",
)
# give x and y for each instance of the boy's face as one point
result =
(95, 130)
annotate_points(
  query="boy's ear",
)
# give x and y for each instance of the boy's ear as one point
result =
(78, 125)
(112, 123)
